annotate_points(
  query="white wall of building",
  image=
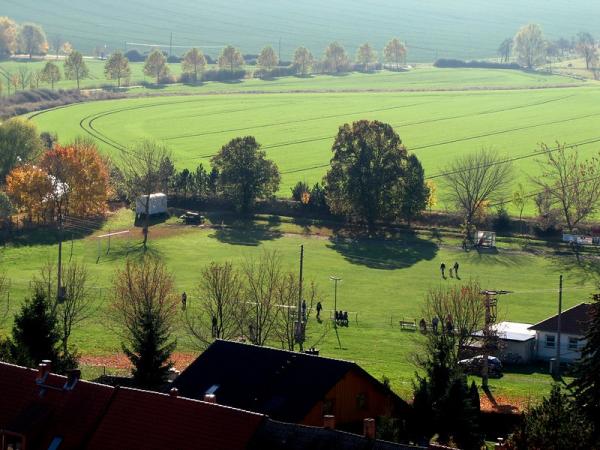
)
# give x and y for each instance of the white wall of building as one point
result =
(570, 346)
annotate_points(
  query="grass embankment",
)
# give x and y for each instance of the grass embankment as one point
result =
(297, 129)
(384, 280)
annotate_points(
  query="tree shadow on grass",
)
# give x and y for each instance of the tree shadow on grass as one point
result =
(246, 232)
(133, 251)
(399, 252)
(581, 266)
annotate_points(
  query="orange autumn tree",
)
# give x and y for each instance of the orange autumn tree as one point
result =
(72, 179)
(85, 173)
(28, 187)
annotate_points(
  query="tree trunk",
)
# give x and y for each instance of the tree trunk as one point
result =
(146, 222)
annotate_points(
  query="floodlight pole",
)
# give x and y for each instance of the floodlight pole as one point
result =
(335, 280)
(560, 291)
(299, 315)
(59, 295)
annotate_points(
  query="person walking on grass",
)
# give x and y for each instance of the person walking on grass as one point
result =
(443, 270)
(456, 268)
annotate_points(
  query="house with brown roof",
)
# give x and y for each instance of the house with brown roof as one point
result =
(573, 327)
(288, 386)
(41, 410)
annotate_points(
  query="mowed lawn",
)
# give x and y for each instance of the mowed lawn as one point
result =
(297, 129)
(383, 281)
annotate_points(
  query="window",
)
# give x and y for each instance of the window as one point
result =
(573, 343)
(550, 341)
(361, 401)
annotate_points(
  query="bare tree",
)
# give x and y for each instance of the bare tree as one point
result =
(475, 179)
(586, 46)
(221, 307)
(142, 171)
(461, 307)
(505, 49)
(262, 277)
(145, 306)
(24, 76)
(57, 42)
(530, 46)
(77, 304)
(571, 185)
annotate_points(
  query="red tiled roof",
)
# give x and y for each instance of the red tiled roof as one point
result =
(68, 414)
(572, 321)
(147, 420)
(101, 417)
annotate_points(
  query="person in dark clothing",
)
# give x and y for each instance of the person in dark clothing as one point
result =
(434, 324)
(443, 270)
(215, 328)
(183, 300)
(456, 269)
(345, 318)
(319, 308)
(304, 310)
(423, 326)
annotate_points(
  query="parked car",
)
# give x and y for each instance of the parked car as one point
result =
(474, 366)
(192, 218)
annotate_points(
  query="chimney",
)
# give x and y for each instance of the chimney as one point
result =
(43, 371)
(329, 422)
(73, 377)
(369, 428)
(210, 398)
(174, 392)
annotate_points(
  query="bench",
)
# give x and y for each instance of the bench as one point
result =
(408, 324)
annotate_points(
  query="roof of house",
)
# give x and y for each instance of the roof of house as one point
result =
(573, 321)
(275, 435)
(511, 331)
(282, 384)
(98, 417)
(149, 420)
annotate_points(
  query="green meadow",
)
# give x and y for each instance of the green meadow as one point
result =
(384, 280)
(439, 114)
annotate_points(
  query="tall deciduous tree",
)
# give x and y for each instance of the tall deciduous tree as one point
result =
(367, 179)
(336, 59)
(28, 187)
(573, 186)
(303, 60)
(586, 46)
(117, 68)
(395, 53)
(230, 58)
(415, 191)
(19, 143)
(156, 65)
(194, 63)
(145, 305)
(245, 173)
(474, 180)
(142, 171)
(76, 68)
(31, 40)
(51, 74)
(8, 37)
(221, 308)
(505, 49)
(267, 58)
(530, 46)
(366, 56)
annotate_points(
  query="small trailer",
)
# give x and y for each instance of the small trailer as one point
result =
(157, 205)
(485, 239)
(192, 218)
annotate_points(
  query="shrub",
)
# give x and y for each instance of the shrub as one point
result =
(502, 221)
(299, 190)
(135, 56)
(223, 75)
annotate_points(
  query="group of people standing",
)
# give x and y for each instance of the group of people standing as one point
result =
(447, 326)
(453, 268)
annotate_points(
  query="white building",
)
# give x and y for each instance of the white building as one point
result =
(573, 326)
(517, 341)
(157, 205)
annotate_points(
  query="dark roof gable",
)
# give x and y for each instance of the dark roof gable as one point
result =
(282, 384)
(573, 321)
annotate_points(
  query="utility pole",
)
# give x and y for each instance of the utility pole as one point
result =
(59, 289)
(300, 327)
(560, 290)
(491, 314)
(171, 45)
(335, 280)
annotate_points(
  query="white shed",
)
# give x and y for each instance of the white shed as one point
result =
(518, 341)
(158, 204)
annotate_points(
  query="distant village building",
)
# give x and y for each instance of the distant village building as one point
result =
(288, 386)
(573, 327)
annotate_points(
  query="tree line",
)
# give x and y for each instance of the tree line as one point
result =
(530, 48)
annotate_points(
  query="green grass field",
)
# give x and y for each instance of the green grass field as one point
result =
(298, 118)
(460, 29)
(383, 281)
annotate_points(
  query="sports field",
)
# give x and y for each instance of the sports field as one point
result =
(438, 113)
(384, 280)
